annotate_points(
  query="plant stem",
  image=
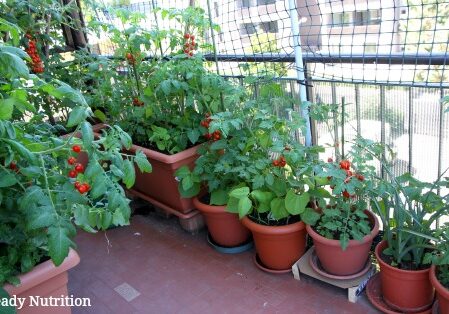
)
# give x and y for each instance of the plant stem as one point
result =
(47, 186)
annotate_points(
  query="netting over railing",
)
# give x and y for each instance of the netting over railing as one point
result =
(382, 41)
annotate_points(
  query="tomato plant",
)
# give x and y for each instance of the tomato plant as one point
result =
(40, 199)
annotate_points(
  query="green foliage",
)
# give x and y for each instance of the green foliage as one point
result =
(159, 101)
(39, 203)
(408, 209)
(341, 214)
(267, 192)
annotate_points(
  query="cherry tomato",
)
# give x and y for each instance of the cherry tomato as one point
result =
(79, 168)
(71, 160)
(192, 37)
(13, 165)
(72, 174)
(360, 177)
(345, 164)
(87, 186)
(346, 194)
(187, 36)
(82, 189)
(76, 148)
(330, 159)
(77, 185)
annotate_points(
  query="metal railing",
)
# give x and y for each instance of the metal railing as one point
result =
(409, 119)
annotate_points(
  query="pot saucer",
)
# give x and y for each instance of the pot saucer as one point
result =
(230, 250)
(435, 308)
(374, 294)
(261, 266)
(316, 266)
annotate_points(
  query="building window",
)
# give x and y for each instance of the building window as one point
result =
(269, 27)
(342, 19)
(246, 3)
(370, 17)
(247, 29)
(264, 2)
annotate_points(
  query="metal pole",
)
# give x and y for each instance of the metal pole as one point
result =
(300, 67)
(157, 26)
(214, 45)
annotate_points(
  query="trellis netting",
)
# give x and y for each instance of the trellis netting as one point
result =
(384, 59)
(386, 41)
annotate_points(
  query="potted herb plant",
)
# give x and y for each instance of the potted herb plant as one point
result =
(408, 208)
(44, 190)
(343, 228)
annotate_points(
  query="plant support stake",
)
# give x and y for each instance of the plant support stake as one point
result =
(300, 67)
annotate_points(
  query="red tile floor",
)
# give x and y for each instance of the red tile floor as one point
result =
(153, 266)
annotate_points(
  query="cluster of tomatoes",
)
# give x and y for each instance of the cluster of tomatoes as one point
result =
(280, 162)
(137, 102)
(78, 168)
(345, 165)
(130, 58)
(189, 45)
(37, 66)
(216, 135)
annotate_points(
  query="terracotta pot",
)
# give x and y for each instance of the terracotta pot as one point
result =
(334, 260)
(442, 291)
(44, 280)
(404, 290)
(225, 228)
(278, 247)
(161, 184)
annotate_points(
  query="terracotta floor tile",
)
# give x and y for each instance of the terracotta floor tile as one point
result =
(177, 272)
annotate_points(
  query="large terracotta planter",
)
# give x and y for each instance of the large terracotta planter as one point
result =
(45, 280)
(404, 290)
(225, 228)
(278, 247)
(350, 261)
(442, 291)
(161, 184)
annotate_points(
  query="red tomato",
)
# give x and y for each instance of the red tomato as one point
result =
(79, 168)
(76, 148)
(345, 164)
(72, 174)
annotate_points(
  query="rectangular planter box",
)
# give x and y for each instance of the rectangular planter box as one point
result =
(161, 184)
(44, 280)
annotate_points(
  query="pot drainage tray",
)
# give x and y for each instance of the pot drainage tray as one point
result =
(261, 266)
(374, 294)
(316, 266)
(435, 308)
(230, 250)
